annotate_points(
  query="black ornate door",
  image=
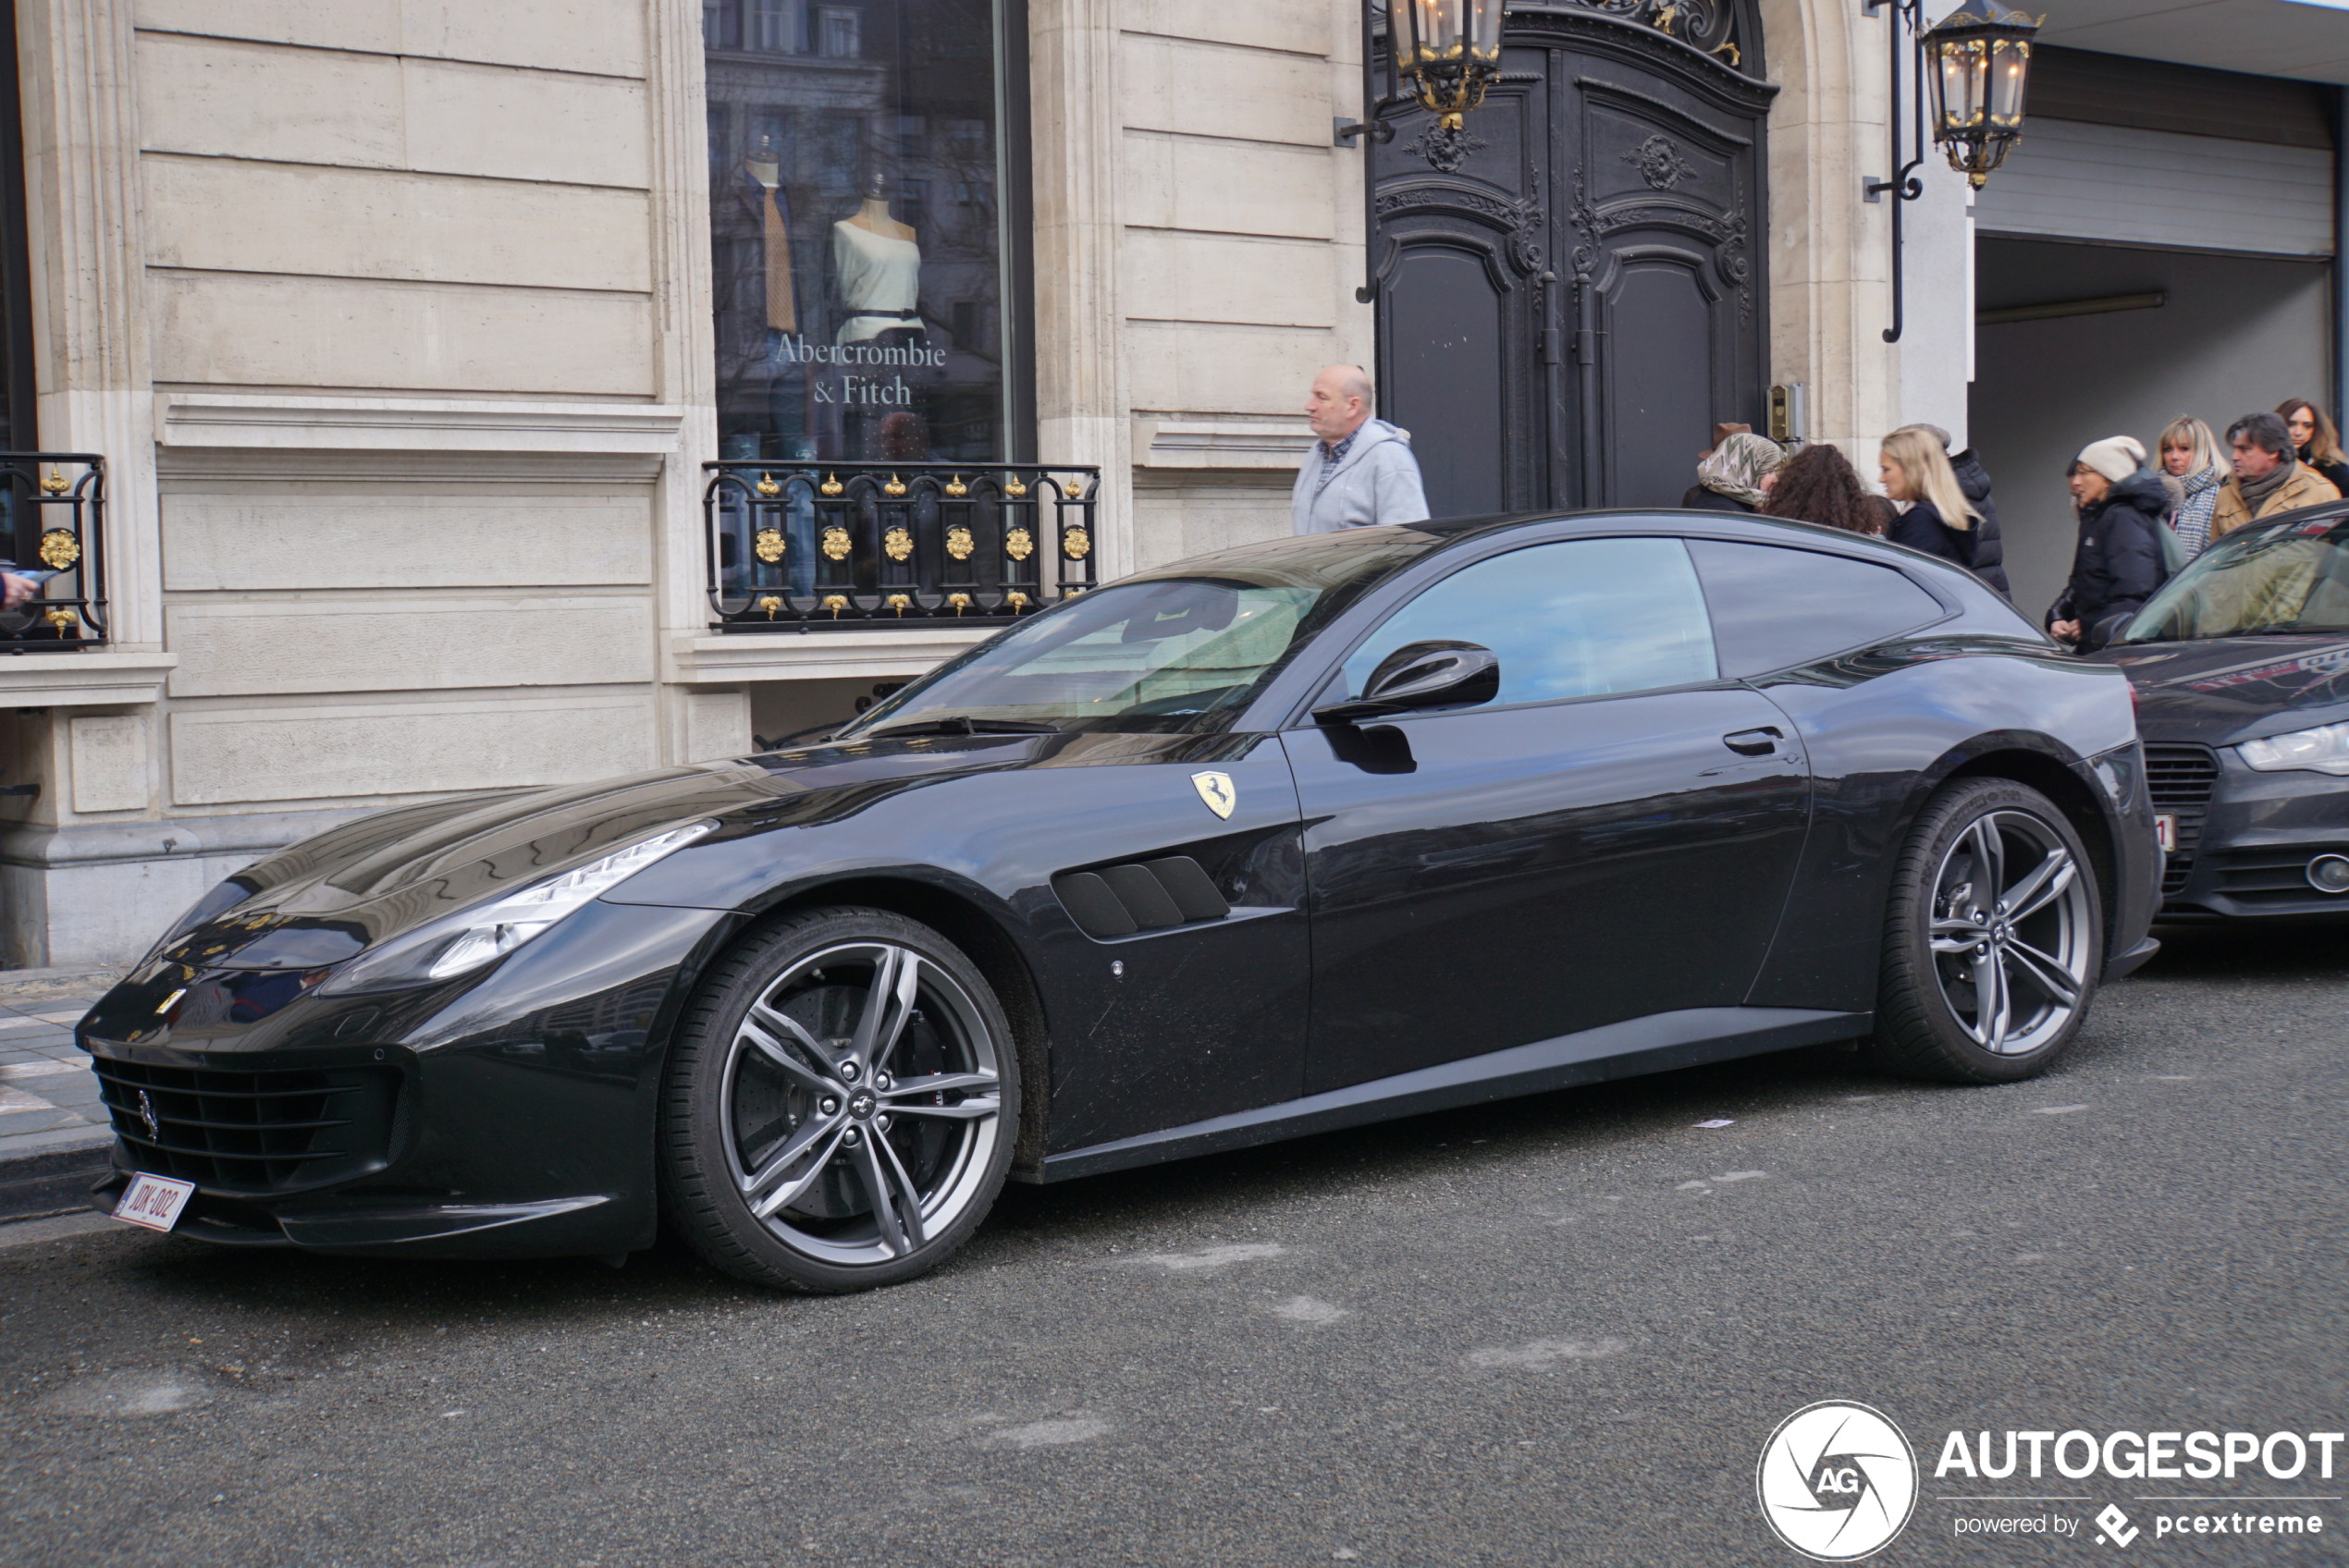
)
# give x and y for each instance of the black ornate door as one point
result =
(1569, 286)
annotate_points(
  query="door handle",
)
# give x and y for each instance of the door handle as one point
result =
(1752, 743)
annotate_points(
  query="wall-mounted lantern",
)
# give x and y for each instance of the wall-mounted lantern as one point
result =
(1975, 67)
(1452, 54)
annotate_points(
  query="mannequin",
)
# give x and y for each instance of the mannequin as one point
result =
(766, 170)
(880, 267)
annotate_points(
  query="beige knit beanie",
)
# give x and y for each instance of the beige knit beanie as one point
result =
(2115, 457)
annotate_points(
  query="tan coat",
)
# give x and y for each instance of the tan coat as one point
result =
(2307, 488)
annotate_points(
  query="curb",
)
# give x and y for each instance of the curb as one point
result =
(54, 1180)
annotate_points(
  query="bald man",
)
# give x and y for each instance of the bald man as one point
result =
(1360, 473)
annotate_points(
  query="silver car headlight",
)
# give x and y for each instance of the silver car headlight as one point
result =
(2324, 749)
(460, 943)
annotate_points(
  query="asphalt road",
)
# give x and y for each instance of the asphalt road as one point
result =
(1558, 1330)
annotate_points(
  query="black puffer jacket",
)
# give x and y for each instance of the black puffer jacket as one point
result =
(2117, 565)
(1922, 527)
(1990, 553)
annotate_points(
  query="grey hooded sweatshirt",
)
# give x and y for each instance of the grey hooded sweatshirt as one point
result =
(1377, 481)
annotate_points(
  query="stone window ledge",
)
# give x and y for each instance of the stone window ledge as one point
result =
(186, 420)
(97, 677)
(816, 656)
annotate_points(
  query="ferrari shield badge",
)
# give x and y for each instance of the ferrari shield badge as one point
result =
(1216, 789)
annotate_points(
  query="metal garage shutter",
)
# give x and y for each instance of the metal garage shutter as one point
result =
(2129, 187)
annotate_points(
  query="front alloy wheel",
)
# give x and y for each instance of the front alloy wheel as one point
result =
(1993, 942)
(841, 1104)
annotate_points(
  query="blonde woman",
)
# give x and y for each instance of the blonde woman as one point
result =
(1935, 515)
(2196, 468)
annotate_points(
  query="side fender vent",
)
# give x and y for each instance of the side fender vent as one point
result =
(1151, 895)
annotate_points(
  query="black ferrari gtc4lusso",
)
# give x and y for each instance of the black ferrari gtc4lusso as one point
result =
(1294, 836)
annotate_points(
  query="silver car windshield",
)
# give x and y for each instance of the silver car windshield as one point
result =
(1180, 650)
(2293, 578)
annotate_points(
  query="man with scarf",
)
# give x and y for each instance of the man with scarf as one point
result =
(2268, 477)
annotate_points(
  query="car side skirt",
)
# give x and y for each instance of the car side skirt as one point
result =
(1658, 1042)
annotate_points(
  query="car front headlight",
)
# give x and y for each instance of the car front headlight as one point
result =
(460, 943)
(2324, 749)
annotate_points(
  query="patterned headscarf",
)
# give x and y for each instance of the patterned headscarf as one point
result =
(1738, 466)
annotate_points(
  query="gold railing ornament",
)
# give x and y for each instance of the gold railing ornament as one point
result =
(766, 486)
(956, 488)
(1019, 544)
(59, 549)
(831, 484)
(771, 603)
(64, 621)
(897, 545)
(959, 544)
(899, 603)
(1076, 543)
(895, 488)
(1074, 490)
(53, 482)
(1017, 600)
(958, 602)
(769, 546)
(1013, 487)
(835, 603)
(836, 545)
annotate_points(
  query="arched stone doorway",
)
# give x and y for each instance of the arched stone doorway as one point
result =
(1569, 288)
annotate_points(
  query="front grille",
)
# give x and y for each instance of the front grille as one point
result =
(2181, 778)
(244, 1131)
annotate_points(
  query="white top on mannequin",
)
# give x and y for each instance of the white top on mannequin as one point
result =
(880, 269)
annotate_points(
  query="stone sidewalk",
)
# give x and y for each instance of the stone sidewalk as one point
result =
(52, 1130)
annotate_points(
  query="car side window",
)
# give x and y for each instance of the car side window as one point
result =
(1775, 607)
(1579, 617)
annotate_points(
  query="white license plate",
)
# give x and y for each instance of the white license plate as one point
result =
(154, 1201)
(2165, 831)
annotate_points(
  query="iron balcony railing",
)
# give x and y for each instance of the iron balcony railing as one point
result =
(53, 532)
(821, 547)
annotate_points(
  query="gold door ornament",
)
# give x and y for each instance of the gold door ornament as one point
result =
(770, 603)
(831, 484)
(1076, 543)
(1076, 489)
(766, 486)
(956, 488)
(836, 545)
(64, 621)
(897, 545)
(59, 549)
(53, 482)
(1013, 487)
(959, 544)
(1017, 600)
(899, 603)
(1019, 544)
(835, 603)
(959, 602)
(769, 544)
(895, 488)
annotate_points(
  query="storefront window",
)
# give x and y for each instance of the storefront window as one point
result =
(856, 215)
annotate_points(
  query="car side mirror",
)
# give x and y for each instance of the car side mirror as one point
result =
(1420, 675)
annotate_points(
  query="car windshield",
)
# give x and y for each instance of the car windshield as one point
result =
(1182, 649)
(2291, 578)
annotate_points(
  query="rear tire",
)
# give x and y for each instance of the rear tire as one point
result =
(840, 1105)
(1993, 942)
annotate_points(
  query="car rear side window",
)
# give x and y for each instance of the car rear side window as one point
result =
(1581, 617)
(1776, 608)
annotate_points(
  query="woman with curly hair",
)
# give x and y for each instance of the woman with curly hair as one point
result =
(1819, 484)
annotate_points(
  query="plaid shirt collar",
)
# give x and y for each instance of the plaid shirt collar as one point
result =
(1333, 454)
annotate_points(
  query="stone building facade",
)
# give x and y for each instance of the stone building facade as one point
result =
(398, 326)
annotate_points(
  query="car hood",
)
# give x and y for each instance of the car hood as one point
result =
(329, 898)
(2223, 689)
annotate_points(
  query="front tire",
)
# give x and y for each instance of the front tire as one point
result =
(840, 1104)
(1993, 942)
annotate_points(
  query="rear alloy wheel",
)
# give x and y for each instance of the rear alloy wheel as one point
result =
(841, 1105)
(1993, 940)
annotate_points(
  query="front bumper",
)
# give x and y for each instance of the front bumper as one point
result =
(510, 1116)
(2245, 838)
